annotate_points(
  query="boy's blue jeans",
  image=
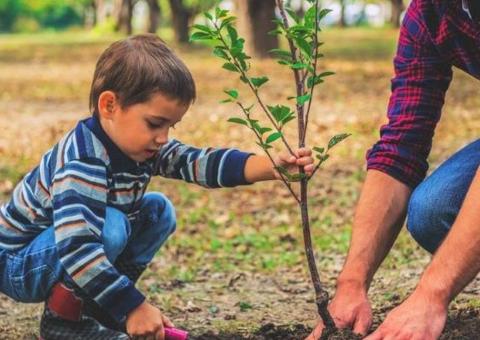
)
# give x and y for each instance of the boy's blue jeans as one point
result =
(28, 274)
(435, 203)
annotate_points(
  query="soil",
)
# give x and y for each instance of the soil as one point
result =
(463, 325)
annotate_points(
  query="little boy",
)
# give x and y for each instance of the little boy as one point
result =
(79, 229)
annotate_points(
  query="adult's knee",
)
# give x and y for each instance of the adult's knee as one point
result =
(426, 220)
(115, 233)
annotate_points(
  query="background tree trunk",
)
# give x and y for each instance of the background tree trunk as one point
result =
(180, 20)
(342, 22)
(124, 10)
(153, 15)
(254, 23)
(397, 9)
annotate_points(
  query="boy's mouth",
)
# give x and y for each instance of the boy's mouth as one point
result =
(151, 152)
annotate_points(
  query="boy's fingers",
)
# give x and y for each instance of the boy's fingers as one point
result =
(304, 152)
(305, 161)
(167, 322)
(160, 335)
(308, 168)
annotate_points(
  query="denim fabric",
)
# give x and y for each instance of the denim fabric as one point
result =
(28, 274)
(435, 203)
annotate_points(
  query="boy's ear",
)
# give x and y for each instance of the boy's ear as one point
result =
(107, 104)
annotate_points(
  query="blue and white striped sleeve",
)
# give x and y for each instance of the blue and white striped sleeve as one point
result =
(208, 167)
(79, 198)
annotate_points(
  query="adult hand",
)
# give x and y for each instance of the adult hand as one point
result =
(417, 318)
(146, 321)
(349, 308)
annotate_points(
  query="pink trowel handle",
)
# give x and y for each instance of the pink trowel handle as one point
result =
(175, 334)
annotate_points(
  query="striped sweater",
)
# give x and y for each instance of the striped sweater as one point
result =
(74, 183)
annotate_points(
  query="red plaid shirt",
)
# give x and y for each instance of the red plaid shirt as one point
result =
(435, 35)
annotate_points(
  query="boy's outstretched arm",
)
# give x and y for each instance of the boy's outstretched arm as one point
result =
(260, 168)
(223, 167)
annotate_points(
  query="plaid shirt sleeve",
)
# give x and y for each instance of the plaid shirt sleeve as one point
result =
(421, 79)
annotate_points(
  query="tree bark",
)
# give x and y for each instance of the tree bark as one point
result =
(254, 23)
(153, 15)
(342, 22)
(180, 19)
(397, 9)
(124, 11)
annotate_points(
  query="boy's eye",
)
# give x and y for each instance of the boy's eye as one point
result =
(155, 125)
(152, 125)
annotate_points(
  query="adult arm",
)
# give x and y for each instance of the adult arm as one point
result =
(396, 164)
(454, 265)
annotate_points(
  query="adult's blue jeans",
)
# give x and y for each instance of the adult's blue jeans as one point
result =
(27, 275)
(435, 203)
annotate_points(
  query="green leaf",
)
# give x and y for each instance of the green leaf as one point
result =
(298, 65)
(208, 16)
(303, 99)
(230, 67)
(275, 32)
(282, 170)
(304, 46)
(287, 119)
(293, 15)
(200, 36)
(309, 17)
(232, 93)
(279, 112)
(337, 139)
(263, 130)
(232, 33)
(297, 177)
(323, 13)
(257, 82)
(220, 53)
(326, 74)
(273, 137)
(264, 146)
(220, 13)
(228, 100)
(202, 28)
(227, 21)
(318, 149)
(237, 120)
(278, 52)
(322, 158)
(312, 81)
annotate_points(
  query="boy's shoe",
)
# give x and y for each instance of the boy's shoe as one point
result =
(63, 318)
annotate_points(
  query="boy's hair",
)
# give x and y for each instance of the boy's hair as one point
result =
(137, 67)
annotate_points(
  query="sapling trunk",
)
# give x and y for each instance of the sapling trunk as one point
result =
(301, 58)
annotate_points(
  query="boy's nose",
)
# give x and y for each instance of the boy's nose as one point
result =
(161, 139)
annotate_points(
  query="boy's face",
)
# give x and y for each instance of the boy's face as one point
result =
(140, 129)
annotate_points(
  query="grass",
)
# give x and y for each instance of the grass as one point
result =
(44, 83)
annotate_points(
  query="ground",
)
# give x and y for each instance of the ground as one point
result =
(235, 266)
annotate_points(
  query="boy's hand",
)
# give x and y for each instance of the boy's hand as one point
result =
(291, 163)
(146, 321)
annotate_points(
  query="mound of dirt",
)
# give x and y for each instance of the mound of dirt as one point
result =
(272, 332)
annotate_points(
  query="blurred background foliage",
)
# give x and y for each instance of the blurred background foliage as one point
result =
(134, 16)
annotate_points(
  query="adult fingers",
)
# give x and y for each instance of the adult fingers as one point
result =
(362, 324)
(317, 332)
